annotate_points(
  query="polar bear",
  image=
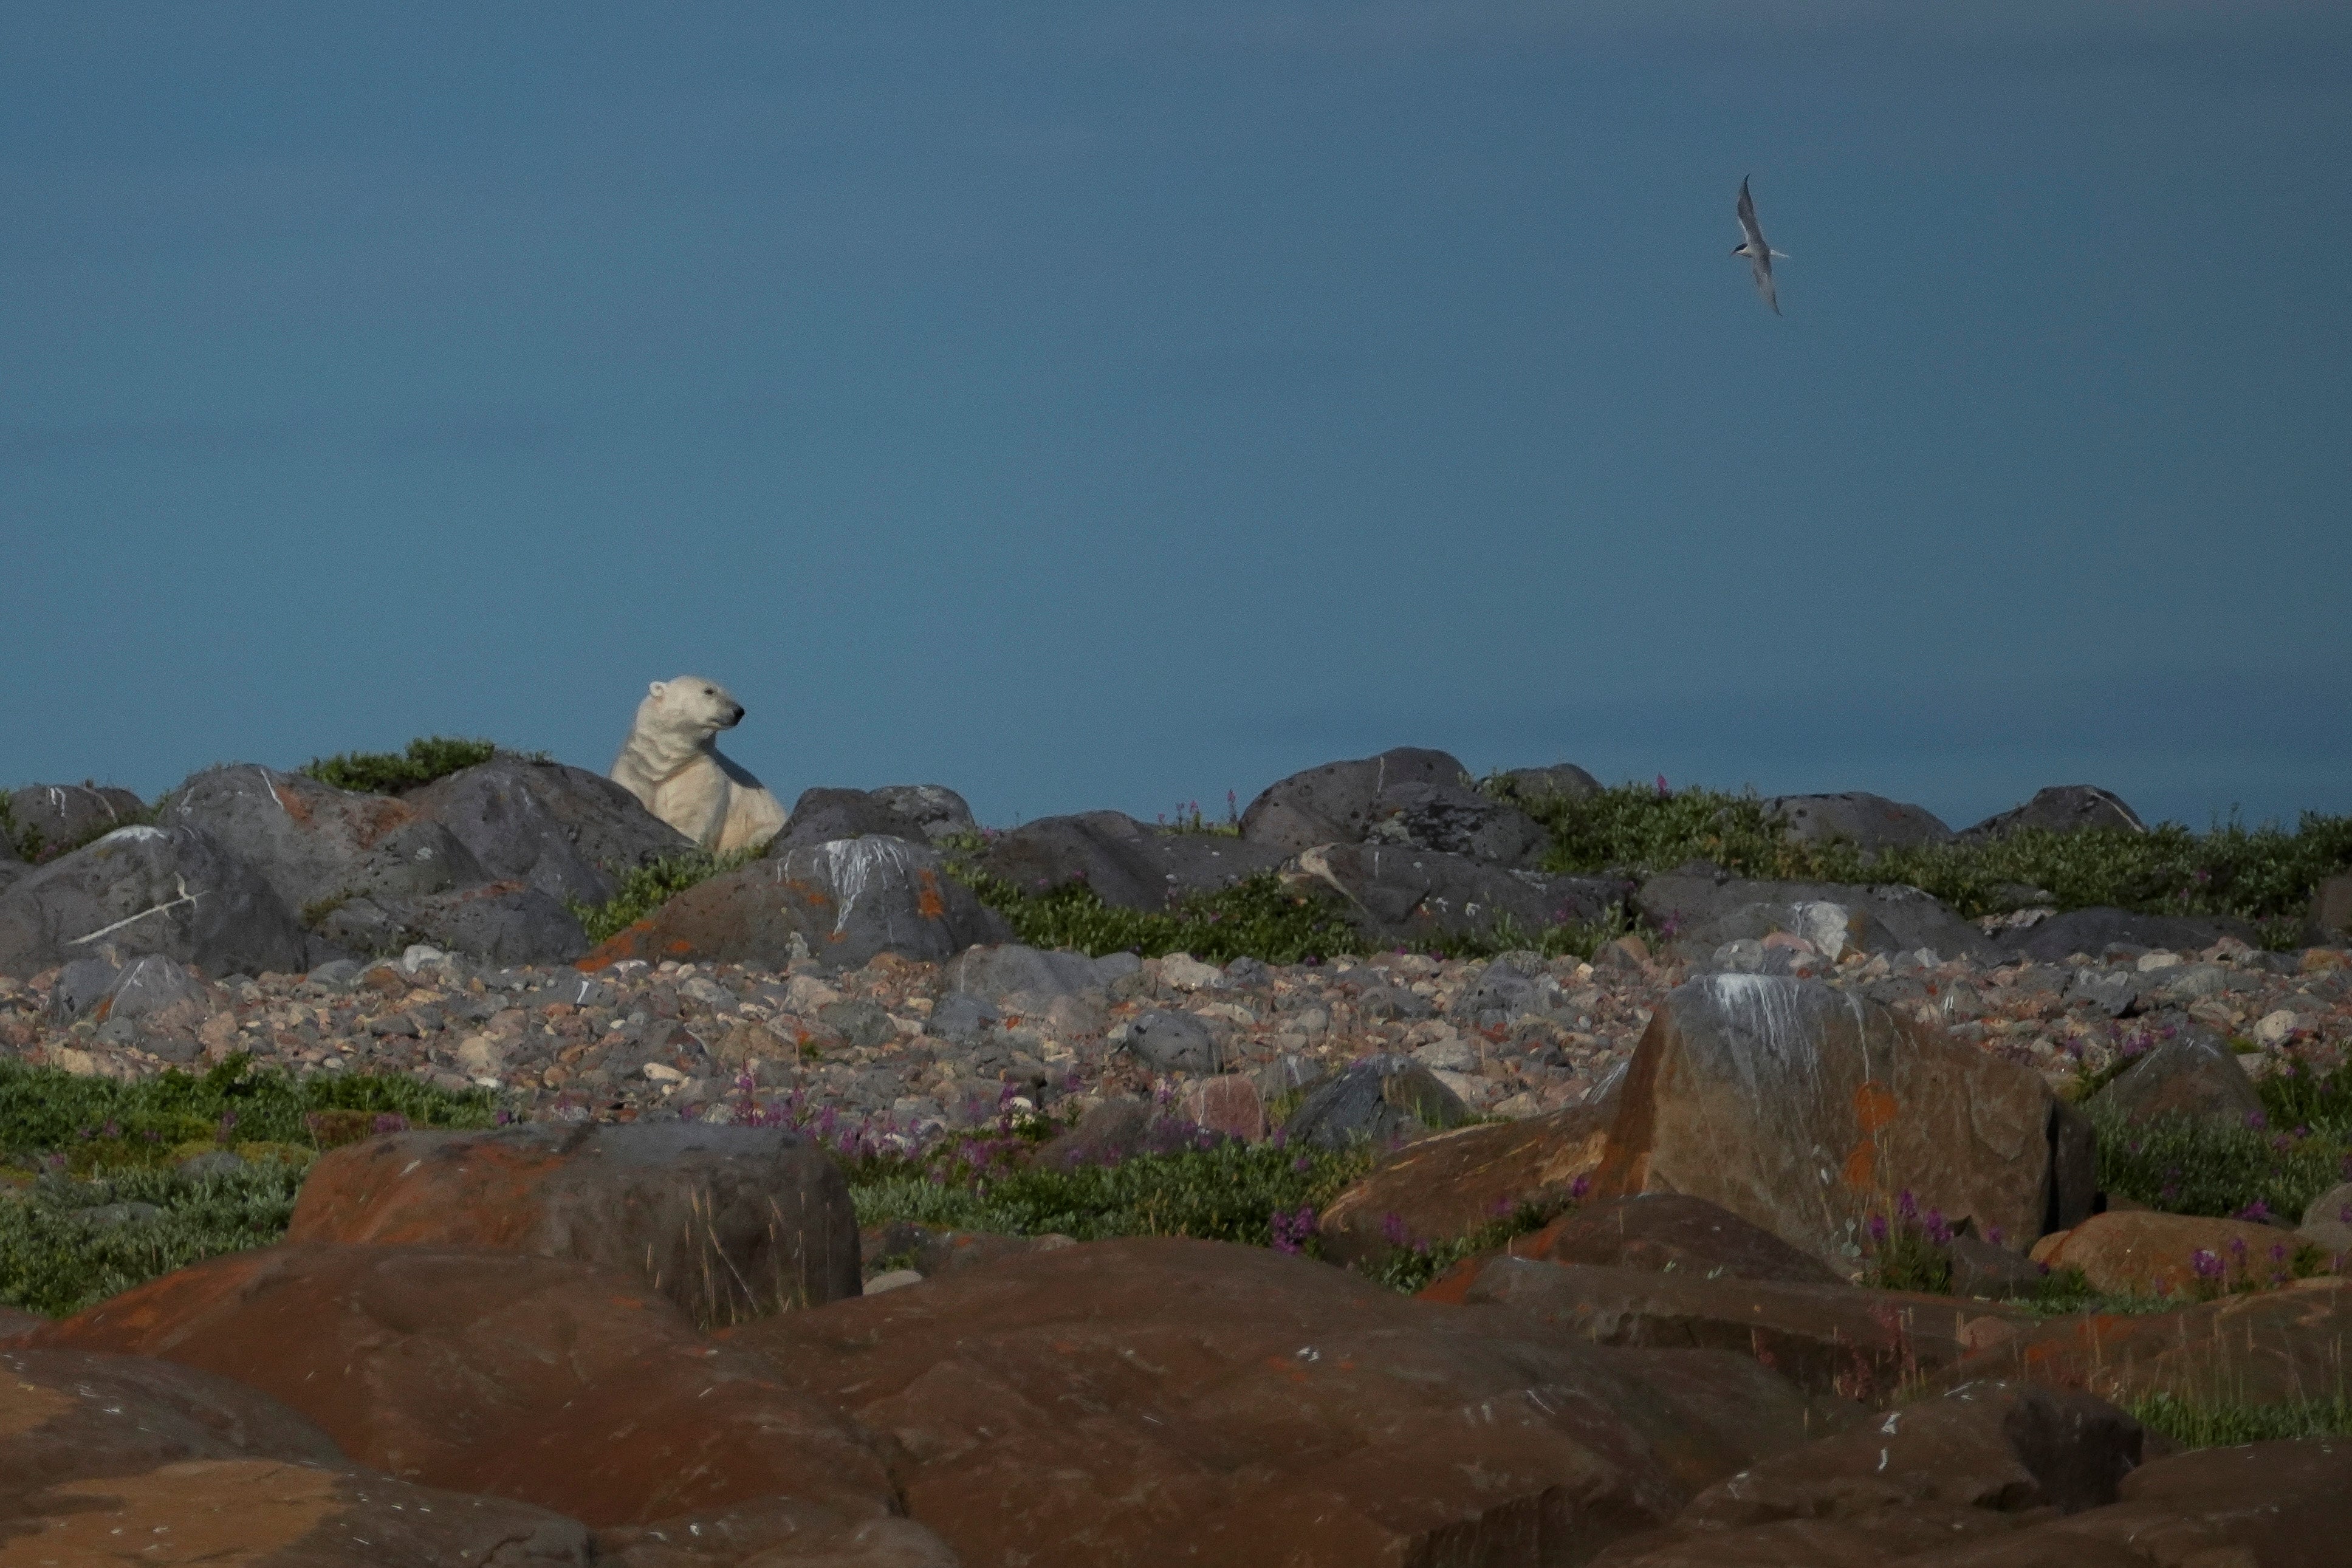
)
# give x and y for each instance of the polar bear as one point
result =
(670, 763)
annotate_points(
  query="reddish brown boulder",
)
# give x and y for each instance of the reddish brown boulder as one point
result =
(1838, 1339)
(2149, 1254)
(268, 1513)
(1440, 1187)
(2266, 1505)
(1153, 1401)
(69, 1414)
(1808, 1110)
(729, 1222)
(121, 1459)
(2265, 1348)
(499, 1372)
(1981, 1461)
(842, 902)
(1668, 1233)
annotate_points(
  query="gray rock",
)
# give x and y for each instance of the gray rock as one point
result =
(822, 815)
(841, 902)
(107, 1215)
(178, 892)
(564, 831)
(1453, 819)
(51, 819)
(336, 972)
(1511, 985)
(936, 812)
(960, 1017)
(1869, 822)
(2061, 809)
(2327, 1220)
(1338, 802)
(503, 923)
(1173, 1043)
(1394, 1002)
(1400, 897)
(858, 1022)
(316, 844)
(1383, 1099)
(992, 974)
(1125, 863)
(149, 985)
(1701, 911)
(211, 1164)
(1535, 786)
(1981, 1268)
(2114, 992)
(1740, 956)
(81, 986)
(2193, 1074)
(2093, 930)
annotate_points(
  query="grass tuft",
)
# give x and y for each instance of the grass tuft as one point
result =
(643, 889)
(2202, 1423)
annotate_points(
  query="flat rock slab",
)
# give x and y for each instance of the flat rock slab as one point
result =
(1807, 1111)
(269, 1513)
(1838, 1340)
(1984, 1462)
(66, 1414)
(532, 1378)
(1152, 1401)
(1442, 1187)
(841, 902)
(729, 1222)
(2265, 1348)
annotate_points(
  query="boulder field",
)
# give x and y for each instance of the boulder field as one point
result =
(638, 1322)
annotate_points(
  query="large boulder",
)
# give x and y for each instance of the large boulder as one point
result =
(841, 902)
(177, 892)
(1380, 1100)
(1539, 787)
(524, 1377)
(1439, 1187)
(69, 1414)
(2061, 809)
(1123, 862)
(1338, 802)
(51, 819)
(729, 1222)
(1397, 896)
(2091, 931)
(510, 924)
(1807, 1111)
(317, 845)
(1832, 1339)
(1118, 1403)
(928, 814)
(1700, 912)
(564, 831)
(1868, 822)
(2191, 1074)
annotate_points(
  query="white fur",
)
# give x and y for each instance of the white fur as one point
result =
(671, 763)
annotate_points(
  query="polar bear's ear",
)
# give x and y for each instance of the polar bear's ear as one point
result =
(657, 688)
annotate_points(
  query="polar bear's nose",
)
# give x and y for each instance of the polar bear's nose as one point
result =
(739, 714)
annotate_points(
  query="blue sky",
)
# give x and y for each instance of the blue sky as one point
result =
(1114, 405)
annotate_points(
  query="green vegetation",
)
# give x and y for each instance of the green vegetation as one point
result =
(72, 1148)
(645, 888)
(1258, 917)
(2301, 1147)
(2264, 875)
(1409, 1268)
(2200, 1424)
(396, 772)
(1258, 1194)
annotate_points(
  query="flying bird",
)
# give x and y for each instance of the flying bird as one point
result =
(1759, 254)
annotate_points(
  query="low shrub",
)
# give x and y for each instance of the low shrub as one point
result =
(643, 889)
(63, 1245)
(428, 757)
(2184, 1166)
(1258, 917)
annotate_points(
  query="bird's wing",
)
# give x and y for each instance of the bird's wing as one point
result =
(1747, 223)
(1761, 263)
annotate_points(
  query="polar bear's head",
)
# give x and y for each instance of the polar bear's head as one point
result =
(688, 706)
